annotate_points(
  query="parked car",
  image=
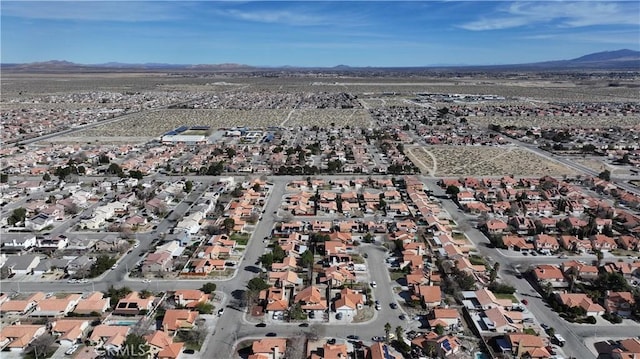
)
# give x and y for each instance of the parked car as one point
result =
(72, 349)
(271, 334)
(262, 325)
(353, 337)
(304, 325)
(393, 306)
(373, 284)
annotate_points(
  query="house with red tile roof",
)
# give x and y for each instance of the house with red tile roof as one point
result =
(289, 263)
(495, 226)
(620, 303)
(546, 243)
(311, 300)
(56, 307)
(337, 275)
(274, 300)
(581, 270)
(629, 243)
(483, 299)
(92, 303)
(603, 243)
(501, 321)
(16, 338)
(189, 298)
(547, 273)
(516, 242)
(268, 348)
(178, 319)
(448, 318)
(627, 349)
(526, 345)
(329, 351)
(21, 306)
(430, 295)
(109, 336)
(162, 346)
(349, 302)
(581, 300)
(69, 331)
(133, 303)
(284, 279)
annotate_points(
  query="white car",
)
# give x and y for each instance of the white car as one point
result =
(72, 349)
(146, 281)
(114, 266)
(373, 284)
(136, 245)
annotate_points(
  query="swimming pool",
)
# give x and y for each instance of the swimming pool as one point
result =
(481, 355)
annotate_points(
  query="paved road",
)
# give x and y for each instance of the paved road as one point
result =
(575, 334)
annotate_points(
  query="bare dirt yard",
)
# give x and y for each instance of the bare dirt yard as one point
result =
(453, 161)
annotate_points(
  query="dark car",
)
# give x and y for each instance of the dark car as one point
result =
(525, 302)
(331, 341)
(271, 334)
(393, 305)
(402, 317)
(189, 351)
(261, 325)
(353, 337)
(304, 325)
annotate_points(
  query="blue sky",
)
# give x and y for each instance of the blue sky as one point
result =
(315, 33)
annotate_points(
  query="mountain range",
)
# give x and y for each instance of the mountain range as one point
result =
(608, 60)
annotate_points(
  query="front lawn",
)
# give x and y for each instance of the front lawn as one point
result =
(241, 238)
(506, 296)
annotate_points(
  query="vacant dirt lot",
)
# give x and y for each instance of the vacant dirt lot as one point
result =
(484, 161)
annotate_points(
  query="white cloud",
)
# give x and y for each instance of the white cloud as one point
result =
(560, 14)
(275, 16)
(92, 10)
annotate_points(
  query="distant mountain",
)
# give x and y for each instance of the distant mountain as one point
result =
(618, 55)
(608, 60)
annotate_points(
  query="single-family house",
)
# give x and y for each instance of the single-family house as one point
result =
(133, 304)
(18, 337)
(178, 319)
(189, 298)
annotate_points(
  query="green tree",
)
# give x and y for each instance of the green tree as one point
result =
(18, 215)
(115, 294)
(387, 330)
(208, 288)
(278, 253)
(102, 264)
(399, 333)
(306, 259)
(204, 308)
(138, 347)
(188, 186)
(494, 272)
(452, 190)
(605, 175)
(4, 178)
(229, 223)
(257, 284)
(256, 187)
(267, 260)
(439, 329)
(133, 174)
(46, 177)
